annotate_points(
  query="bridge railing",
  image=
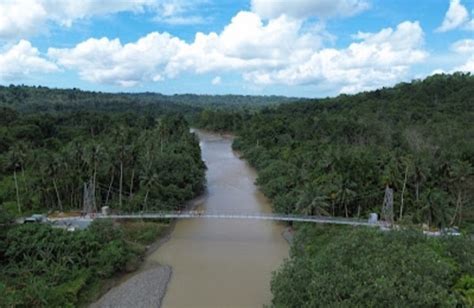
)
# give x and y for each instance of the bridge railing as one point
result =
(238, 214)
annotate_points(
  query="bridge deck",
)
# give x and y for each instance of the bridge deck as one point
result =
(253, 216)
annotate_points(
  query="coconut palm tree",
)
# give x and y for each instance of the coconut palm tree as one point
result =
(147, 181)
(13, 162)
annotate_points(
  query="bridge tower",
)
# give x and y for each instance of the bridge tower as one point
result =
(89, 205)
(387, 207)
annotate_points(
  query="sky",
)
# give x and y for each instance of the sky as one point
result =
(304, 48)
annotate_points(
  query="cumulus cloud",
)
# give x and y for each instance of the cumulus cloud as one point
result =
(279, 51)
(111, 62)
(466, 67)
(21, 60)
(456, 16)
(179, 12)
(465, 46)
(245, 44)
(378, 59)
(20, 18)
(308, 8)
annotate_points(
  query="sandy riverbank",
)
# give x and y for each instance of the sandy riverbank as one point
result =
(145, 289)
(146, 286)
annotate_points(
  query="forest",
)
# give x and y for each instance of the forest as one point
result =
(336, 157)
(43, 99)
(129, 161)
(357, 267)
(331, 156)
(132, 162)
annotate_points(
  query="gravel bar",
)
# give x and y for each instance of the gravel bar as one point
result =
(146, 289)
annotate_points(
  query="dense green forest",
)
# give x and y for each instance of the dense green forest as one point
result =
(41, 266)
(43, 99)
(129, 161)
(132, 162)
(336, 157)
(356, 267)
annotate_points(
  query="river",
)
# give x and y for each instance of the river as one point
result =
(223, 263)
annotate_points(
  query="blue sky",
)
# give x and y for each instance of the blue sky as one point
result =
(311, 48)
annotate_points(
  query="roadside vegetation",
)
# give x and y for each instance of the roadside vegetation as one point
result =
(46, 267)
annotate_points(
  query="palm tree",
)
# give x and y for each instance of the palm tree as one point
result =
(14, 163)
(21, 149)
(459, 174)
(120, 137)
(94, 154)
(435, 207)
(148, 180)
(54, 168)
(312, 201)
(346, 194)
(408, 163)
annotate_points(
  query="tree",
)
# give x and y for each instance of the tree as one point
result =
(14, 163)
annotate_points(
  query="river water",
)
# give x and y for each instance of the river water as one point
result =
(223, 263)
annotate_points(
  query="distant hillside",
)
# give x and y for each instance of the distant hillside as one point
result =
(35, 99)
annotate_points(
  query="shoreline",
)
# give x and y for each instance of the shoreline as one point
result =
(148, 273)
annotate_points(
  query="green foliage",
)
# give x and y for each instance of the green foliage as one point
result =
(134, 162)
(46, 267)
(142, 232)
(355, 267)
(42, 99)
(465, 287)
(51, 144)
(336, 155)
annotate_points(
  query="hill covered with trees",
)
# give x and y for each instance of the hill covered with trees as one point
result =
(43, 99)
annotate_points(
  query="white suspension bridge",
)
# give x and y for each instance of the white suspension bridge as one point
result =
(241, 216)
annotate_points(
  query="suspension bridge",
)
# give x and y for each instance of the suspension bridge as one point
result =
(242, 216)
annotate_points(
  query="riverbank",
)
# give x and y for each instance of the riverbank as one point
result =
(145, 289)
(135, 285)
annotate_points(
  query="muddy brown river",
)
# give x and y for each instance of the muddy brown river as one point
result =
(223, 263)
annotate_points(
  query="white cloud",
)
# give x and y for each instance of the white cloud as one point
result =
(280, 51)
(20, 18)
(216, 81)
(246, 43)
(465, 46)
(308, 8)
(470, 25)
(177, 12)
(181, 20)
(65, 12)
(379, 59)
(456, 16)
(21, 60)
(466, 67)
(111, 62)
